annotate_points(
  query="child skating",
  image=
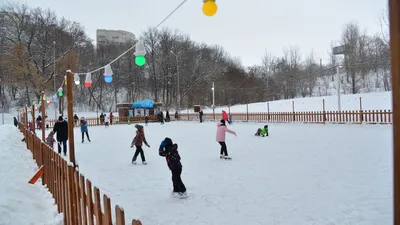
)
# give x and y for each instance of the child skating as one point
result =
(106, 120)
(262, 132)
(50, 139)
(170, 152)
(138, 142)
(84, 129)
(221, 130)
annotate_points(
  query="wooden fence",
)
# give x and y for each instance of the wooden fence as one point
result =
(72, 193)
(319, 117)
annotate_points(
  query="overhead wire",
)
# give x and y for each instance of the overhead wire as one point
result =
(129, 49)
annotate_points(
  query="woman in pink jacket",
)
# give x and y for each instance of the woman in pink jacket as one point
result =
(221, 130)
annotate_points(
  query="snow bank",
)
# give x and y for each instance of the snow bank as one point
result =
(20, 202)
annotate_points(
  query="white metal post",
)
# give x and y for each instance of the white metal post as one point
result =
(338, 86)
(213, 93)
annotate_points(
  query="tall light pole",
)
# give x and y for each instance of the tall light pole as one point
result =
(339, 50)
(338, 86)
(177, 73)
(213, 93)
(54, 78)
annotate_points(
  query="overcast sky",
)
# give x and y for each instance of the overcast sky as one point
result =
(245, 28)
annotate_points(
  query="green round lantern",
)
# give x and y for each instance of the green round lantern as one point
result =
(140, 60)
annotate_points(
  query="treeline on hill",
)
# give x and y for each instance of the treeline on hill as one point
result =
(31, 36)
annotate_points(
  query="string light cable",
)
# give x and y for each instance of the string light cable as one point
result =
(140, 60)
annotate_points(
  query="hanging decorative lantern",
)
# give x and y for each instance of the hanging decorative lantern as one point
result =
(140, 52)
(88, 80)
(108, 74)
(76, 79)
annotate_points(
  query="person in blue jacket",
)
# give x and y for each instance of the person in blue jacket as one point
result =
(170, 152)
(84, 129)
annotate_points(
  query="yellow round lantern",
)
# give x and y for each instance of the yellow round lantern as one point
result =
(209, 7)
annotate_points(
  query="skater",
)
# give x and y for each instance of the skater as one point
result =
(84, 129)
(201, 116)
(170, 152)
(176, 115)
(167, 118)
(161, 117)
(106, 120)
(221, 130)
(225, 116)
(50, 139)
(39, 122)
(262, 132)
(102, 119)
(138, 142)
(111, 118)
(61, 128)
(146, 120)
(15, 122)
(76, 119)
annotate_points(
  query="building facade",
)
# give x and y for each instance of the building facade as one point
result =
(105, 37)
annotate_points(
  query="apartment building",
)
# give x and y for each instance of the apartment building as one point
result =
(105, 37)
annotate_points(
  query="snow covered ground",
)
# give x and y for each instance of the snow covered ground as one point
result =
(370, 101)
(300, 174)
(20, 202)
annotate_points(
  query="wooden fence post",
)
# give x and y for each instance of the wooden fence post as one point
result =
(119, 215)
(268, 115)
(361, 112)
(323, 111)
(43, 109)
(72, 217)
(394, 17)
(33, 119)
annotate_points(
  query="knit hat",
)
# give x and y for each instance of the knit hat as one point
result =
(167, 142)
(222, 122)
(139, 127)
(266, 126)
(51, 133)
(60, 118)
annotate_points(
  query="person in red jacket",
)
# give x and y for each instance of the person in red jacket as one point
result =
(225, 116)
(138, 142)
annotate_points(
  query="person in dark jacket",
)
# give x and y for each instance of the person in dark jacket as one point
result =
(167, 118)
(161, 117)
(176, 115)
(15, 122)
(146, 119)
(61, 128)
(170, 152)
(76, 119)
(138, 142)
(102, 119)
(39, 122)
(201, 116)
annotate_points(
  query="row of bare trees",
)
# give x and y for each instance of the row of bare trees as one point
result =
(37, 47)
